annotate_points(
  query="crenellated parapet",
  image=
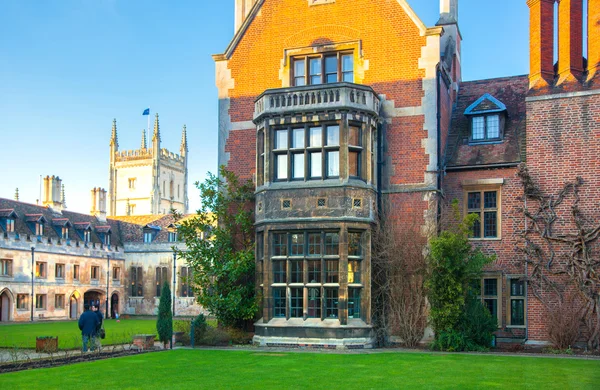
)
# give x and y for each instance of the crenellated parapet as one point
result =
(171, 157)
(135, 154)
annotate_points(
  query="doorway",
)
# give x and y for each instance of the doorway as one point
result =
(114, 305)
(74, 309)
(5, 307)
(92, 298)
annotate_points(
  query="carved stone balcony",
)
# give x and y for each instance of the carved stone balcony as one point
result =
(314, 98)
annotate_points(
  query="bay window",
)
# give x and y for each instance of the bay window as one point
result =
(323, 69)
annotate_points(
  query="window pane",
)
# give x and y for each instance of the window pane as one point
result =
(517, 311)
(493, 126)
(314, 271)
(331, 69)
(299, 81)
(331, 304)
(333, 135)
(297, 302)
(297, 244)
(332, 271)
(314, 303)
(316, 136)
(297, 269)
(489, 199)
(517, 288)
(354, 136)
(474, 200)
(314, 244)
(354, 247)
(298, 166)
(354, 303)
(281, 139)
(315, 70)
(282, 166)
(490, 287)
(333, 164)
(299, 68)
(316, 165)
(279, 302)
(297, 138)
(353, 165)
(353, 271)
(280, 244)
(347, 63)
(478, 126)
(492, 306)
(490, 228)
(332, 244)
(279, 271)
(476, 231)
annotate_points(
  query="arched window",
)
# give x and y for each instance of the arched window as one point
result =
(161, 278)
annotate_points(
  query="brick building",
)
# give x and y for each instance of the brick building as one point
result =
(347, 111)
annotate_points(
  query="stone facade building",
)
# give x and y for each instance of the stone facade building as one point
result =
(149, 180)
(352, 110)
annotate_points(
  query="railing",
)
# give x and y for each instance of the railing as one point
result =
(317, 98)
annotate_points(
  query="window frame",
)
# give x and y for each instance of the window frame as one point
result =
(136, 277)
(510, 298)
(41, 269)
(116, 274)
(24, 299)
(161, 275)
(41, 301)
(76, 272)
(498, 297)
(62, 268)
(486, 138)
(307, 76)
(6, 265)
(95, 272)
(56, 301)
(482, 210)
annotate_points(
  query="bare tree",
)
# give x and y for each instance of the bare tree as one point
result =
(398, 276)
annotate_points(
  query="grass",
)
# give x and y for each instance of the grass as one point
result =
(69, 336)
(181, 369)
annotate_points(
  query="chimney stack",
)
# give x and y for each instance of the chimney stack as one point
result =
(99, 203)
(593, 38)
(52, 187)
(541, 43)
(570, 41)
(242, 9)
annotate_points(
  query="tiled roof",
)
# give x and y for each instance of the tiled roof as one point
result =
(61, 222)
(27, 212)
(82, 225)
(35, 218)
(7, 213)
(103, 229)
(510, 91)
(141, 220)
(132, 227)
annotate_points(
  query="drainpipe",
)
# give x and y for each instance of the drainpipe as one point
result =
(32, 270)
(439, 145)
(526, 275)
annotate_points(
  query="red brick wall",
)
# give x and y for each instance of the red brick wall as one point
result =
(391, 42)
(563, 142)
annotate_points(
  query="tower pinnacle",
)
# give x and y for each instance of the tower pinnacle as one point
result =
(183, 148)
(113, 138)
(156, 129)
(144, 143)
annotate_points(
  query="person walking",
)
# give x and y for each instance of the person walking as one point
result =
(100, 317)
(88, 323)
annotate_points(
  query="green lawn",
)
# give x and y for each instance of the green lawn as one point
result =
(181, 369)
(69, 336)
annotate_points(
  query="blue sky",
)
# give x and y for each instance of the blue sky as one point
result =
(68, 67)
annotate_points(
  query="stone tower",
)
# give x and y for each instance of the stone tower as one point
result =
(149, 180)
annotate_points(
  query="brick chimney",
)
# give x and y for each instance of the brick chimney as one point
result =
(99, 203)
(52, 188)
(593, 39)
(242, 9)
(541, 43)
(570, 41)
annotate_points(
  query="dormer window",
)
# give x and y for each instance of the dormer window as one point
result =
(487, 116)
(7, 220)
(173, 236)
(84, 231)
(87, 236)
(323, 69)
(36, 222)
(150, 232)
(65, 233)
(61, 227)
(104, 233)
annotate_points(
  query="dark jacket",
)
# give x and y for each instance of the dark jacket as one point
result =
(88, 323)
(99, 315)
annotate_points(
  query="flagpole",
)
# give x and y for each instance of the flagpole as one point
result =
(148, 129)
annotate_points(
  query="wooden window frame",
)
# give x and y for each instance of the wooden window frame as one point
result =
(485, 138)
(63, 270)
(510, 298)
(322, 56)
(56, 301)
(39, 266)
(97, 269)
(6, 264)
(75, 271)
(498, 297)
(44, 301)
(498, 209)
(24, 298)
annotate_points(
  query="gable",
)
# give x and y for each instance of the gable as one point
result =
(258, 7)
(485, 104)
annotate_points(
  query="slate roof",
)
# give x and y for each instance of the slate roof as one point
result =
(510, 91)
(132, 227)
(26, 212)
